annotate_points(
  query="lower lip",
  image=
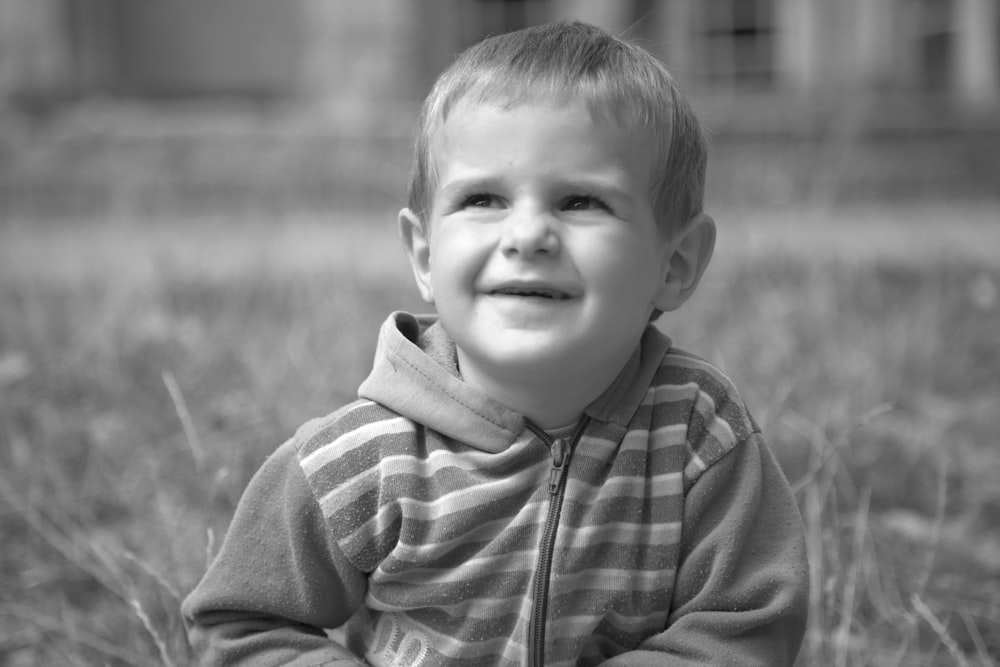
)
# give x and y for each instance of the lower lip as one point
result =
(529, 297)
(522, 305)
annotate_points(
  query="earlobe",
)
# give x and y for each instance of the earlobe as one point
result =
(686, 257)
(418, 250)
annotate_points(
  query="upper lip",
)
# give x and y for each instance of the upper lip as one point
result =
(531, 288)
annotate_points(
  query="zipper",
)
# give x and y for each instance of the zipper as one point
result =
(561, 450)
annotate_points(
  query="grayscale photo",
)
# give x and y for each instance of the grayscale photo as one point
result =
(441, 333)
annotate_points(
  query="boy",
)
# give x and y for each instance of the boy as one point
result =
(535, 476)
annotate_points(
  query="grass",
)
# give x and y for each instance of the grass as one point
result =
(146, 371)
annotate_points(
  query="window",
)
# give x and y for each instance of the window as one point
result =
(935, 43)
(736, 42)
(493, 17)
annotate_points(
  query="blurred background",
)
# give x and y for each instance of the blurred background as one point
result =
(195, 104)
(197, 246)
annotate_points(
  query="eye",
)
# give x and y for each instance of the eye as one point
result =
(584, 203)
(480, 200)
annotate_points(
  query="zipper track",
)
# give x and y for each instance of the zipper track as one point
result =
(540, 591)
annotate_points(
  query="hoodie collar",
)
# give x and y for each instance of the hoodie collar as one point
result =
(415, 373)
(619, 402)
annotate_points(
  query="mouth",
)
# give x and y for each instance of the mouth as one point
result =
(532, 293)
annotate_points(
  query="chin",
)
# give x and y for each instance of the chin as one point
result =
(528, 361)
(520, 359)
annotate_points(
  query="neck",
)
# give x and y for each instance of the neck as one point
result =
(552, 399)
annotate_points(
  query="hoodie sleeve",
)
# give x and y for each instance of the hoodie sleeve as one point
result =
(742, 585)
(277, 581)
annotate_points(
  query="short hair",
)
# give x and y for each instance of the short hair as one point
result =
(619, 81)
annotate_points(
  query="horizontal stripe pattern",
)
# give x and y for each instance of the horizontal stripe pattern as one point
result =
(449, 534)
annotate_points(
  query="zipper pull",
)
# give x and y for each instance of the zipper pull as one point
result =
(560, 451)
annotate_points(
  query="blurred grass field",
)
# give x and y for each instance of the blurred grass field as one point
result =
(147, 369)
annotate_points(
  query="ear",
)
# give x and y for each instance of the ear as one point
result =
(418, 250)
(686, 256)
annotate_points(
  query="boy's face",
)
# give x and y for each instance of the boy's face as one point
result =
(541, 251)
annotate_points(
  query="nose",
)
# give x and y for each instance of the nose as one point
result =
(529, 233)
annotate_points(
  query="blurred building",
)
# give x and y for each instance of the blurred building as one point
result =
(753, 66)
(385, 49)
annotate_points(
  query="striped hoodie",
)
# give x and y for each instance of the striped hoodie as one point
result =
(433, 526)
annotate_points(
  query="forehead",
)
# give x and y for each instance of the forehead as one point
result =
(604, 109)
(545, 133)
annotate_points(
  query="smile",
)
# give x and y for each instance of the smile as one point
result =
(532, 292)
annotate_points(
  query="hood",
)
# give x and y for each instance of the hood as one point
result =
(415, 374)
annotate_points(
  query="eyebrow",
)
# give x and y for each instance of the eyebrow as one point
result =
(468, 184)
(601, 186)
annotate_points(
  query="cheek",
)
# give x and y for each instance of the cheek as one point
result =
(612, 259)
(452, 262)
(459, 244)
(631, 280)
